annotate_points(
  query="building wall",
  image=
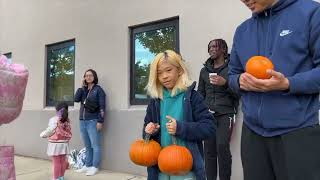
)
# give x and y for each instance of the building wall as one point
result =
(101, 31)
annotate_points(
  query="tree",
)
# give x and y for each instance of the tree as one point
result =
(155, 41)
(158, 40)
(61, 74)
(141, 77)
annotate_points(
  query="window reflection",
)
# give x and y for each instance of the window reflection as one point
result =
(148, 42)
(60, 74)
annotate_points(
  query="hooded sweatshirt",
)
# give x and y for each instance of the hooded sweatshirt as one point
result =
(289, 34)
(220, 99)
(196, 126)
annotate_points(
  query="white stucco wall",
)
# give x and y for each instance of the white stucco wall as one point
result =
(102, 43)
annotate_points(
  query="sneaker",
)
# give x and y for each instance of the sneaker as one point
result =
(92, 171)
(84, 169)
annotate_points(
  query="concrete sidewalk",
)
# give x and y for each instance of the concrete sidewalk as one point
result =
(37, 169)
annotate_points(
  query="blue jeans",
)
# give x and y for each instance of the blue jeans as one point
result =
(91, 138)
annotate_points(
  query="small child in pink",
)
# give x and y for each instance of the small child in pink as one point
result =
(58, 134)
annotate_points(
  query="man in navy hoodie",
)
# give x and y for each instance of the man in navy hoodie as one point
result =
(280, 134)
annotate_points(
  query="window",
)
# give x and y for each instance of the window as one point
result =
(9, 56)
(60, 72)
(146, 41)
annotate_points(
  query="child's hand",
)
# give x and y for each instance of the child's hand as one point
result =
(43, 134)
(152, 128)
(171, 125)
(48, 132)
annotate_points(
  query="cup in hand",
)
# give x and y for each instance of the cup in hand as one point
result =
(211, 75)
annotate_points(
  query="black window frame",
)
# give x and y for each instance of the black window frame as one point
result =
(56, 46)
(159, 24)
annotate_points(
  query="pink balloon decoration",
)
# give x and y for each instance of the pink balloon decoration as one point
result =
(13, 82)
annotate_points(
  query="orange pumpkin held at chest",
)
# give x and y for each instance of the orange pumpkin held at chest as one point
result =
(258, 65)
(175, 160)
(145, 152)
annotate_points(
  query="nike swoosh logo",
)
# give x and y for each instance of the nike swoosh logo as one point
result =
(285, 32)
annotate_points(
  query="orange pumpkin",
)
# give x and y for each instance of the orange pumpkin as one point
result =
(175, 160)
(145, 152)
(258, 65)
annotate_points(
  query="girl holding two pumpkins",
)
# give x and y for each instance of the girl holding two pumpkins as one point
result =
(176, 114)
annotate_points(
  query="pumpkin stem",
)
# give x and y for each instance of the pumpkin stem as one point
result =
(147, 138)
(174, 139)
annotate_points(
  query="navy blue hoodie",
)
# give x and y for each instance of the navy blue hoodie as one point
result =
(197, 126)
(289, 34)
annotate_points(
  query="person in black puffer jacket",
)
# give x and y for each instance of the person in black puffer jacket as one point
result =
(223, 103)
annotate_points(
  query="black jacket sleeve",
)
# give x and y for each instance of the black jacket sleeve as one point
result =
(201, 84)
(151, 116)
(78, 95)
(102, 104)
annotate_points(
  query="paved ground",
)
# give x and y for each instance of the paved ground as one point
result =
(37, 169)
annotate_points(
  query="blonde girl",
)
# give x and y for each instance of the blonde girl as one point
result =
(176, 109)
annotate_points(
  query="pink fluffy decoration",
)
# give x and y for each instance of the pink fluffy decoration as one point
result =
(13, 82)
(7, 170)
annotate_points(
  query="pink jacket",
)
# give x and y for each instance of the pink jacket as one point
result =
(57, 131)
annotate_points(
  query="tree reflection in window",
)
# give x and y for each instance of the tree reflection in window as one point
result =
(60, 72)
(149, 40)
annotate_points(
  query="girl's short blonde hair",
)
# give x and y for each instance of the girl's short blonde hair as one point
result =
(154, 87)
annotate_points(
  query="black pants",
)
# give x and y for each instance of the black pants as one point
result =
(218, 147)
(292, 156)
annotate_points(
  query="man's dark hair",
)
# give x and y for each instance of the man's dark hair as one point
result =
(222, 44)
(95, 76)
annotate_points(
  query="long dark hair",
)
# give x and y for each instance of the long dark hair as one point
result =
(62, 111)
(95, 76)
